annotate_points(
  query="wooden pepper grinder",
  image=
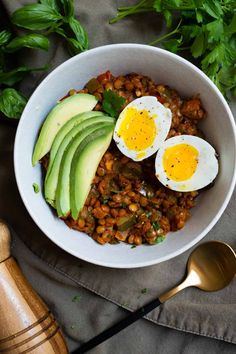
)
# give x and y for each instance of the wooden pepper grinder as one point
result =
(26, 324)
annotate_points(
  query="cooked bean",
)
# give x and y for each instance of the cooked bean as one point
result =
(81, 223)
(100, 171)
(100, 229)
(137, 240)
(131, 239)
(105, 208)
(133, 207)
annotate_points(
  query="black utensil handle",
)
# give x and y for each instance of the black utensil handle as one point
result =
(108, 333)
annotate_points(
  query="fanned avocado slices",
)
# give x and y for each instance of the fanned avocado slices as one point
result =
(51, 180)
(72, 153)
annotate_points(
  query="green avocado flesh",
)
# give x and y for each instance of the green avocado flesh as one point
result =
(74, 148)
(51, 180)
(84, 166)
(57, 117)
(79, 118)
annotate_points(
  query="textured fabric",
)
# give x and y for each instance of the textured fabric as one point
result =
(58, 277)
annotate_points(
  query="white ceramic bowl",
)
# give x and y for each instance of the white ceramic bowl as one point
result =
(164, 67)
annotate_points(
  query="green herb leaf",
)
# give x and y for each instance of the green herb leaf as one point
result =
(112, 103)
(76, 298)
(74, 46)
(173, 44)
(4, 37)
(159, 239)
(231, 28)
(12, 103)
(156, 225)
(30, 41)
(68, 7)
(36, 188)
(79, 32)
(168, 17)
(35, 17)
(10, 78)
(51, 3)
(198, 46)
(144, 291)
(213, 8)
(199, 16)
(133, 246)
(215, 30)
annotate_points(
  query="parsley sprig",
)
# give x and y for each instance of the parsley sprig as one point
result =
(207, 29)
(112, 103)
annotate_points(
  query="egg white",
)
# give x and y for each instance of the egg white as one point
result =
(207, 166)
(163, 117)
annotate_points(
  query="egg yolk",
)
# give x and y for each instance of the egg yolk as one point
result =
(137, 129)
(180, 162)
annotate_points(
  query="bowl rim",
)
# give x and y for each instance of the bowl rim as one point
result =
(221, 209)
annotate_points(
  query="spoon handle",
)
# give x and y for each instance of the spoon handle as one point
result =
(134, 316)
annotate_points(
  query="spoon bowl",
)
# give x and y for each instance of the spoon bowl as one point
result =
(214, 263)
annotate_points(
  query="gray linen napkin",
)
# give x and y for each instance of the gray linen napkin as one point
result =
(212, 315)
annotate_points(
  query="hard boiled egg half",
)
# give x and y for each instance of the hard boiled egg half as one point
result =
(186, 163)
(142, 127)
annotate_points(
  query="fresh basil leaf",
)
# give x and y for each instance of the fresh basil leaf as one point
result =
(213, 8)
(10, 78)
(4, 37)
(112, 103)
(157, 5)
(30, 41)
(12, 103)
(35, 17)
(68, 6)
(51, 3)
(198, 46)
(74, 46)
(79, 32)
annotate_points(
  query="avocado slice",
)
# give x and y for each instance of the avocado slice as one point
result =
(79, 118)
(58, 116)
(84, 166)
(77, 144)
(51, 180)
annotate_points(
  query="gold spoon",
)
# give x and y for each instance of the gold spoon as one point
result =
(211, 267)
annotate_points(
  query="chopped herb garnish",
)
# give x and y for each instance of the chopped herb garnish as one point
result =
(76, 298)
(36, 188)
(144, 291)
(124, 205)
(112, 103)
(156, 225)
(159, 239)
(148, 214)
(133, 246)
